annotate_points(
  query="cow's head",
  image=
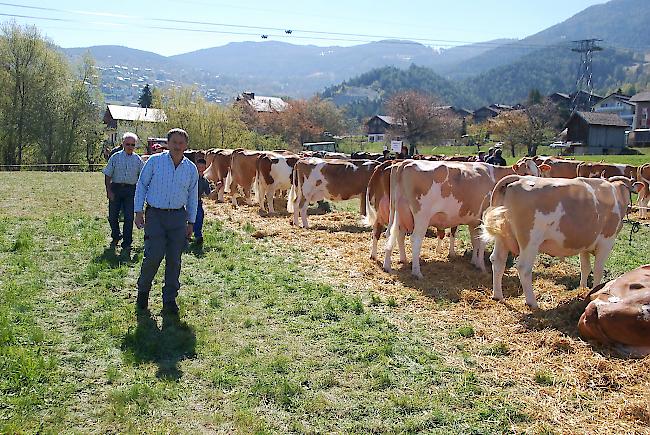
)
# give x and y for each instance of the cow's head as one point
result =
(528, 166)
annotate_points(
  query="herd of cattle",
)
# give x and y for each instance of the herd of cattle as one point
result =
(540, 204)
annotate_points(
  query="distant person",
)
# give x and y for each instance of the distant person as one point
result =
(168, 184)
(120, 178)
(203, 189)
(490, 153)
(497, 159)
(481, 156)
(405, 152)
(385, 156)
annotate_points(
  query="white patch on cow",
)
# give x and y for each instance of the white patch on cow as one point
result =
(614, 299)
(645, 312)
(546, 227)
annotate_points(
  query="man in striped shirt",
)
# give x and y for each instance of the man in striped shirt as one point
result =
(168, 184)
(120, 177)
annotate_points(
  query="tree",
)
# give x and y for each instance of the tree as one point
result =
(534, 97)
(527, 128)
(146, 97)
(418, 117)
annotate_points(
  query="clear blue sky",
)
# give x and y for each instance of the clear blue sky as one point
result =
(142, 25)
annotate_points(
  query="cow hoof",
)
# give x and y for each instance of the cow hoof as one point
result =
(418, 275)
(495, 298)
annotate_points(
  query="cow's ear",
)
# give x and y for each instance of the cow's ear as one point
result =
(545, 167)
(637, 187)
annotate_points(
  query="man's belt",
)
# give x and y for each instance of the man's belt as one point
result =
(164, 209)
(122, 184)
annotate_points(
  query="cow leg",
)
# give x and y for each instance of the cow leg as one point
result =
(269, 200)
(602, 252)
(220, 191)
(644, 199)
(248, 194)
(452, 242)
(585, 268)
(525, 268)
(401, 245)
(303, 212)
(376, 234)
(498, 258)
(478, 248)
(419, 232)
(440, 235)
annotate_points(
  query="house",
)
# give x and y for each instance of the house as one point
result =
(619, 104)
(585, 101)
(486, 112)
(456, 111)
(377, 127)
(139, 120)
(596, 133)
(640, 135)
(261, 103)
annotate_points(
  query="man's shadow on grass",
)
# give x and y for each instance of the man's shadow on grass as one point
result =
(166, 346)
(114, 260)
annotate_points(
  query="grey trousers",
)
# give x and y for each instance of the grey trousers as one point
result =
(164, 237)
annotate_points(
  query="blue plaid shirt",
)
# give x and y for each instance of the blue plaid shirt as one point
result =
(124, 168)
(164, 186)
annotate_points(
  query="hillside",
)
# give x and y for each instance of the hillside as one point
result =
(380, 83)
(620, 23)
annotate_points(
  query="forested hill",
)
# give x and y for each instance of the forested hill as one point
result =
(365, 94)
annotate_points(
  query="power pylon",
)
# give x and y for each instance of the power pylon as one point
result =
(584, 78)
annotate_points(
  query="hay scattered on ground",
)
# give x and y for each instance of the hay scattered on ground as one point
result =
(537, 358)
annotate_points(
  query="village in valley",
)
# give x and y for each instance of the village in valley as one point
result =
(386, 224)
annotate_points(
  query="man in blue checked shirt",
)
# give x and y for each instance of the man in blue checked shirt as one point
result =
(168, 184)
(120, 177)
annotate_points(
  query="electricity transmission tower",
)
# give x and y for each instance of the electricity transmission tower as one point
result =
(584, 78)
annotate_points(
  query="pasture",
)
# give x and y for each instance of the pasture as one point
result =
(284, 329)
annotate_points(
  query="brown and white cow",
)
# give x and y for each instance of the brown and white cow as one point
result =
(273, 174)
(243, 168)
(218, 166)
(553, 167)
(378, 210)
(605, 170)
(559, 217)
(317, 179)
(618, 313)
(643, 176)
(442, 195)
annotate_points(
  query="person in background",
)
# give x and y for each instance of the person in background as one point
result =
(120, 177)
(168, 184)
(497, 159)
(203, 189)
(481, 156)
(490, 153)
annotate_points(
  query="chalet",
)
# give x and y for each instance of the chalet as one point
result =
(560, 99)
(596, 133)
(486, 112)
(585, 101)
(619, 104)
(261, 103)
(377, 127)
(456, 111)
(640, 135)
(139, 120)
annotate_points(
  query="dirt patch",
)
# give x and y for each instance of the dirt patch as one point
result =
(536, 358)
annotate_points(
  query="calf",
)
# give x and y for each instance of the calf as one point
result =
(218, 167)
(273, 173)
(316, 179)
(559, 217)
(443, 195)
(618, 313)
(605, 170)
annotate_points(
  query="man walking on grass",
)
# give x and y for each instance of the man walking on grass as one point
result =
(120, 177)
(168, 184)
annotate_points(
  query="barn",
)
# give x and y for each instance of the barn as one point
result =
(596, 133)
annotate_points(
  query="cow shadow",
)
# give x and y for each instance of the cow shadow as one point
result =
(166, 346)
(346, 228)
(111, 259)
(563, 317)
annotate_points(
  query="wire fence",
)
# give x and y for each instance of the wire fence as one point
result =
(55, 167)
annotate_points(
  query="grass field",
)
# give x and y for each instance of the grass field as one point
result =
(288, 331)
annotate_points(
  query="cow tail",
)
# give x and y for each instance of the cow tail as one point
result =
(293, 191)
(371, 213)
(228, 181)
(257, 188)
(495, 217)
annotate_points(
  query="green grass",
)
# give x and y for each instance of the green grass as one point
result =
(261, 346)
